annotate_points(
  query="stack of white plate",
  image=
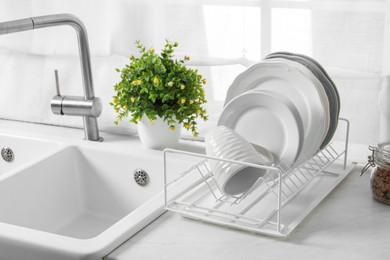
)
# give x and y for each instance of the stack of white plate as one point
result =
(287, 103)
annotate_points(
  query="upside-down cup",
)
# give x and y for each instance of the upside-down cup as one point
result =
(233, 178)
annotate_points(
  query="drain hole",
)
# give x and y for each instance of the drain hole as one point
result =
(141, 177)
(7, 154)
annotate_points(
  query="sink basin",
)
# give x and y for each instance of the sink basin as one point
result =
(77, 203)
(25, 150)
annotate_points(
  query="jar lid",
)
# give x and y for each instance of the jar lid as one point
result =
(382, 154)
(384, 147)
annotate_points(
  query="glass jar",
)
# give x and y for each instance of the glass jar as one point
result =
(380, 175)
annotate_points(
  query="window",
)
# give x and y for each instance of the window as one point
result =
(350, 38)
(347, 37)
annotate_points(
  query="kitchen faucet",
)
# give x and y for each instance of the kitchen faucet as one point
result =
(89, 106)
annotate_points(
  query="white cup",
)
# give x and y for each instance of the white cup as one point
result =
(233, 178)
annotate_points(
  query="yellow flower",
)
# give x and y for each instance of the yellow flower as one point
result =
(182, 100)
(116, 110)
(187, 57)
(172, 127)
(187, 126)
(155, 80)
(125, 107)
(135, 82)
(191, 101)
(114, 100)
(198, 112)
(139, 82)
(170, 84)
(151, 50)
(182, 86)
(132, 99)
(204, 81)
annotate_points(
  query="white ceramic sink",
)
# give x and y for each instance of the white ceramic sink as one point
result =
(77, 203)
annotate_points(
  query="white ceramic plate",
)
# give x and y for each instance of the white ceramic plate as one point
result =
(327, 83)
(300, 86)
(265, 118)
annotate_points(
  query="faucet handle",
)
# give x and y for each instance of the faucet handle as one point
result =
(74, 106)
(56, 103)
(57, 82)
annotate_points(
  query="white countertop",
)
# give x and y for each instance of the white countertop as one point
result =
(348, 224)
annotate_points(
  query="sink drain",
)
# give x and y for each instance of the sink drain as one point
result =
(141, 177)
(7, 154)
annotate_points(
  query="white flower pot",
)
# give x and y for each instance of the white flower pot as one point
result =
(158, 135)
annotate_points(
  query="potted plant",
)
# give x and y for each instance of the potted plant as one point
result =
(160, 94)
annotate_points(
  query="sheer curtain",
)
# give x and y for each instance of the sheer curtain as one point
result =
(350, 38)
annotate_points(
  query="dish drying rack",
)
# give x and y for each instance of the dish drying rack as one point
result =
(275, 204)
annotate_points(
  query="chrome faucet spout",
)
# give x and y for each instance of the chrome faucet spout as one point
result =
(90, 121)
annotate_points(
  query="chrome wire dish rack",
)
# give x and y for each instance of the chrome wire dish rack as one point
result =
(275, 204)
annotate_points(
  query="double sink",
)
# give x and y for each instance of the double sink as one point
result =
(67, 198)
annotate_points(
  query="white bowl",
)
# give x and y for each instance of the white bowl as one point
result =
(232, 178)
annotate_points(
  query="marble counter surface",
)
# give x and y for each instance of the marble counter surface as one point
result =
(348, 224)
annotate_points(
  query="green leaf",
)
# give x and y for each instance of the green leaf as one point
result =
(158, 99)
